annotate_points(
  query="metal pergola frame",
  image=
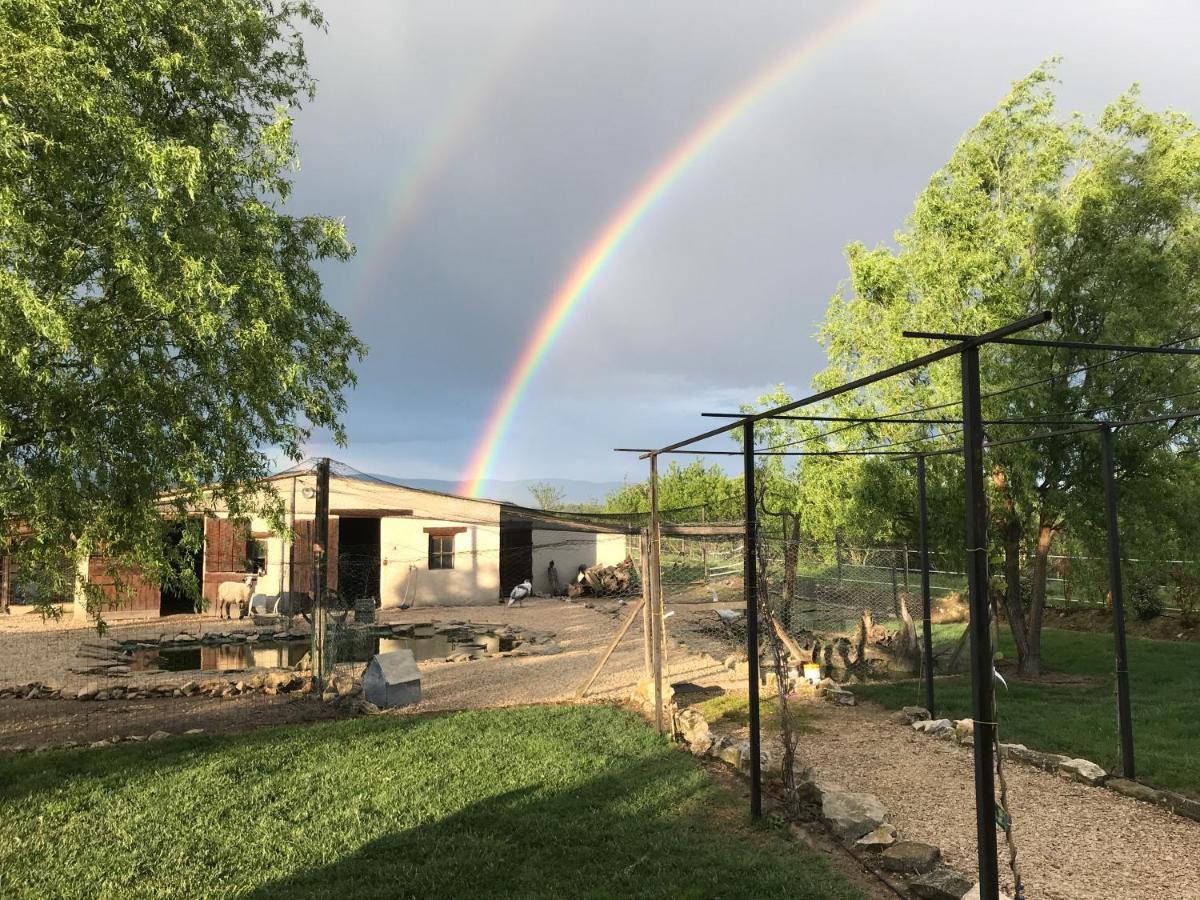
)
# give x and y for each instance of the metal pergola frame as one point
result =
(966, 347)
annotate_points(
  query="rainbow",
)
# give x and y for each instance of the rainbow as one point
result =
(602, 248)
(410, 193)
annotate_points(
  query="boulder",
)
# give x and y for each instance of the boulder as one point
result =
(838, 696)
(643, 693)
(158, 735)
(964, 731)
(910, 857)
(194, 731)
(934, 727)
(693, 729)
(852, 815)
(188, 688)
(914, 714)
(1134, 790)
(1082, 770)
(973, 893)
(86, 694)
(97, 744)
(940, 884)
(1047, 761)
(879, 839)
(278, 682)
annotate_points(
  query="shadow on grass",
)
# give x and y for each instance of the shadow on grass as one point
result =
(601, 839)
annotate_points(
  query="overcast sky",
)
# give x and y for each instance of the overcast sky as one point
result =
(476, 149)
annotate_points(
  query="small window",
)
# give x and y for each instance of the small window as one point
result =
(441, 551)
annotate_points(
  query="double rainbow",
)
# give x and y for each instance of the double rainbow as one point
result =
(619, 227)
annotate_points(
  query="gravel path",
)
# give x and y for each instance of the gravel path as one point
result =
(1074, 842)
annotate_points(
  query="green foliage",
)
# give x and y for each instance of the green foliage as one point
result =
(162, 324)
(1145, 599)
(1097, 223)
(547, 496)
(535, 802)
(1079, 719)
(689, 488)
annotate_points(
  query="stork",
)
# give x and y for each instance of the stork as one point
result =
(520, 592)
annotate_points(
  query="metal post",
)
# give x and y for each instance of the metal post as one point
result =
(837, 550)
(982, 708)
(320, 561)
(1124, 713)
(926, 605)
(656, 596)
(751, 586)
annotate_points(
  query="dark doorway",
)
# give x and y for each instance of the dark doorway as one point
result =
(358, 558)
(516, 557)
(175, 598)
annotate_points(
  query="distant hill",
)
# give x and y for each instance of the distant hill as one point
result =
(518, 491)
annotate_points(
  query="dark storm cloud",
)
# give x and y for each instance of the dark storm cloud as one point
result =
(718, 292)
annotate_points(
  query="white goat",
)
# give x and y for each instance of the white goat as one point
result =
(231, 593)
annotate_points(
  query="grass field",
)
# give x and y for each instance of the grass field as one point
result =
(533, 802)
(1081, 719)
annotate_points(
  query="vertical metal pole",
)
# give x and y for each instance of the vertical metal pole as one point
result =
(982, 708)
(750, 576)
(656, 596)
(1124, 713)
(321, 559)
(926, 605)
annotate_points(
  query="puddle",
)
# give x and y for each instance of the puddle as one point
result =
(351, 647)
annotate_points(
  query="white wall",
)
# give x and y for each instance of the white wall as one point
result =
(570, 549)
(405, 576)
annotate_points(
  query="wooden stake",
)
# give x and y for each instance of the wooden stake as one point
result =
(646, 628)
(612, 645)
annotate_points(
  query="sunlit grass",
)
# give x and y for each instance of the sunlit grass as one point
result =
(535, 802)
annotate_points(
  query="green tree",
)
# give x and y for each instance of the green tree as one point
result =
(162, 324)
(547, 495)
(1097, 223)
(695, 490)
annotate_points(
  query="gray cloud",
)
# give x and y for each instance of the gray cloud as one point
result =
(547, 116)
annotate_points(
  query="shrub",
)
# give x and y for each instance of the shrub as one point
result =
(1145, 599)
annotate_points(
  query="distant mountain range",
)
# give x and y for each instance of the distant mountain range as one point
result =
(518, 491)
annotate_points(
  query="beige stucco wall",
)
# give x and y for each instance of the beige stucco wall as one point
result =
(570, 549)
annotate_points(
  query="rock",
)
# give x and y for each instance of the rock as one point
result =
(1082, 770)
(940, 884)
(118, 670)
(367, 708)
(852, 815)
(100, 695)
(158, 735)
(136, 738)
(86, 694)
(329, 694)
(879, 839)
(188, 688)
(813, 790)
(644, 692)
(693, 729)
(68, 694)
(964, 731)
(934, 727)
(102, 743)
(1047, 761)
(973, 893)
(838, 696)
(278, 681)
(343, 685)
(194, 731)
(914, 714)
(910, 857)
(735, 753)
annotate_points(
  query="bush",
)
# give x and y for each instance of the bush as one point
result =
(1145, 599)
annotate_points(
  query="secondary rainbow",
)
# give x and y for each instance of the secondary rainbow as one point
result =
(585, 270)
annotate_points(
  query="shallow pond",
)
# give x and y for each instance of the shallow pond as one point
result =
(274, 654)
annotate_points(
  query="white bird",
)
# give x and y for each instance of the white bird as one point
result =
(520, 592)
(729, 615)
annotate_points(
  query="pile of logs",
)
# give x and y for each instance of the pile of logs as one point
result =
(603, 581)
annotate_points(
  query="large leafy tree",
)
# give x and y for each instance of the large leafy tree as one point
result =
(1098, 223)
(162, 325)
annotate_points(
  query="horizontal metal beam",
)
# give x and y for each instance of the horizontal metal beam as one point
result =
(770, 452)
(917, 363)
(1066, 345)
(885, 420)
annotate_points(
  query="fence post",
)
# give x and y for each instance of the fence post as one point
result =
(1124, 712)
(750, 577)
(837, 550)
(656, 596)
(982, 707)
(926, 605)
(321, 574)
(895, 589)
(647, 602)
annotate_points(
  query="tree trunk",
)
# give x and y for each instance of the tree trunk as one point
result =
(1010, 534)
(791, 559)
(1032, 663)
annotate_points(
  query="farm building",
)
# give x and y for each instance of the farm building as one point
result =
(398, 544)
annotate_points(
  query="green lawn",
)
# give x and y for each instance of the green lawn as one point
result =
(1081, 720)
(534, 802)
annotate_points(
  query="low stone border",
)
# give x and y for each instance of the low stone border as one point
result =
(858, 820)
(1076, 769)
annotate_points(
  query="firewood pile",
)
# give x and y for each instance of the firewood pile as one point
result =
(603, 581)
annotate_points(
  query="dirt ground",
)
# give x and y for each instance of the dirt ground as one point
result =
(1074, 842)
